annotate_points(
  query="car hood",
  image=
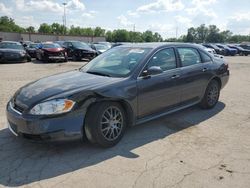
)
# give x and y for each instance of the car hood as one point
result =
(48, 87)
(53, 49)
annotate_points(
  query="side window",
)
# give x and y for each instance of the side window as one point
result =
(164, 59)
(189, 56)
(205, 57)
(65, 44)
(70, 44)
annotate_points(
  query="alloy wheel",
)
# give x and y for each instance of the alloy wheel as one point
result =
(112, 123)
(213, 95)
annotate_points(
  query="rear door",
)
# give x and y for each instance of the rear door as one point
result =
(195, 73)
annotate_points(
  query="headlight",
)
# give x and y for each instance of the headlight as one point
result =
(57, 106)
(22, 53)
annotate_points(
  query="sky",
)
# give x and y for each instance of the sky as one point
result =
(170, 18)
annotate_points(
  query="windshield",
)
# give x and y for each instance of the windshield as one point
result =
(53, 45)
(101, 47)
(117, 62)
(11, 45)
(80, 45)
(33, 45)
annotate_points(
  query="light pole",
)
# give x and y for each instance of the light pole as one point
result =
(64, 17)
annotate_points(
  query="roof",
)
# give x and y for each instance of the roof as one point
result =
(158, 44)
(11, 42)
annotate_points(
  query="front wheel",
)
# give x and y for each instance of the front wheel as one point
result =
(105, 124)
(211, 96)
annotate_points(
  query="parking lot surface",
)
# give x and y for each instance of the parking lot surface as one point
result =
(192, 148)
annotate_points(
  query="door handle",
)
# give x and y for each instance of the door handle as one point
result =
(175, 76)
(204, 69)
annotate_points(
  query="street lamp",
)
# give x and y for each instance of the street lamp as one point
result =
(64, 17)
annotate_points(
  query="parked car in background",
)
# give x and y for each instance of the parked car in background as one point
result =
(25, 43)
(108, 44)
(240, 50)
(228, 50)
(245, 46)
(31, 49)
(79, 50)
(124, 86)
(216, 48)
(210, 50)
(51, 52)
(100, 48)
(119, 44)
(13, 52)
(60, 42)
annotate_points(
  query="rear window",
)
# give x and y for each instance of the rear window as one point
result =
(51, 46)
(205, 57)
(189, 56)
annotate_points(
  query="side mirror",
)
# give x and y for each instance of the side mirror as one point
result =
(154, 70)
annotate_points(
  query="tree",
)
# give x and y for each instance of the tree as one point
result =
(8, 24)
(157, 37)
(121, 35)
(213, 34)
(109, 36)
(57, 28)
(201, 33)
(148, 36)
(30, 29)
(191, 35)
(45, 28)
(99, 32)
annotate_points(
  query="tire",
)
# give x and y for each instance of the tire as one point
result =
(211, 96)
(101, 127)
(75, 58)
(28, 59)
(65, 60)
(45, 59)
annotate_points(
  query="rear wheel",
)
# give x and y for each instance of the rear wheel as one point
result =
(105, 124)
(211, 95)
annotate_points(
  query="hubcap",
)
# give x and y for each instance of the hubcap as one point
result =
(212, 95)
(111, 123)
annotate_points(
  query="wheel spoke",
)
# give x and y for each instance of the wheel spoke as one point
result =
(111, 123)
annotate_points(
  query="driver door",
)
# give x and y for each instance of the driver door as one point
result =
(157, 93)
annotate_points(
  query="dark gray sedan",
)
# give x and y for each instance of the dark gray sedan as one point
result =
(125, 86)
(13, 52)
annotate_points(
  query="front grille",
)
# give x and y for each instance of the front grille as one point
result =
(11, 55)
(18, 108)
(56, 54)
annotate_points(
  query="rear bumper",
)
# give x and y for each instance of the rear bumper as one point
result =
(64, 127)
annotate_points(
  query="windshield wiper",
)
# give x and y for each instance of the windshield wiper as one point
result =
(98, 73)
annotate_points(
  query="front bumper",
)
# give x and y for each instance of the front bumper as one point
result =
(63, 127)
(56, 58)
(87, 55)
(20, 59)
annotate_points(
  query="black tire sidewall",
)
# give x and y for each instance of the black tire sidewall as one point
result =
(93, 126)
(204, 103)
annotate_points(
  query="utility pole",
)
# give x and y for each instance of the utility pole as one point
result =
(64, 17)
(134, 33)
(176, 32)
